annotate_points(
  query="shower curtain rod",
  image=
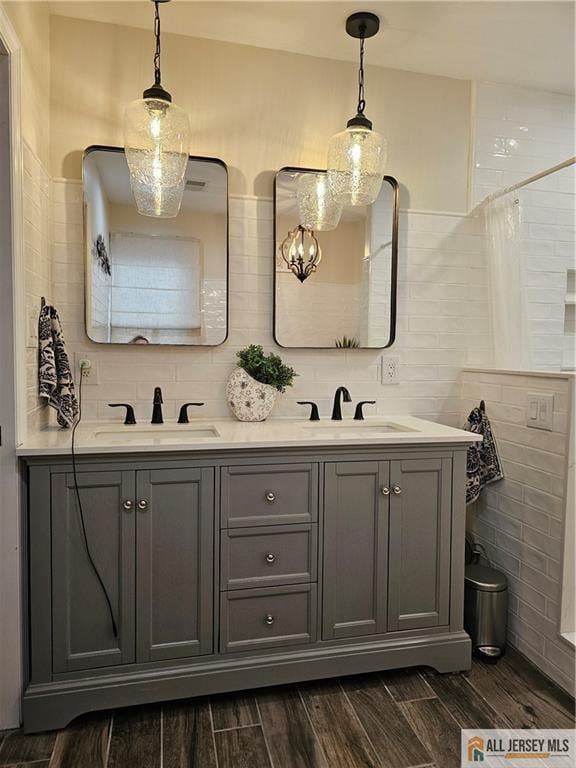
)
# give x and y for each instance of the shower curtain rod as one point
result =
(536, 177)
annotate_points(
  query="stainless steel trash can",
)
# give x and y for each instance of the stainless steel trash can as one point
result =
(485, 610)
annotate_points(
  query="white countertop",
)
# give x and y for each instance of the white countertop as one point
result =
(221, 434)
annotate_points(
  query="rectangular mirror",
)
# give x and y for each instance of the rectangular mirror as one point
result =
(349, 298)
(152, 280)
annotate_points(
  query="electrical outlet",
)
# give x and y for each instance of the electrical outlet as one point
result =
(88, 369)
(390, 369)
(540, 411)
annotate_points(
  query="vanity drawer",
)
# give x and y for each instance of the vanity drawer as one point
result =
(268, 556)
(274, 494)
(267, 618)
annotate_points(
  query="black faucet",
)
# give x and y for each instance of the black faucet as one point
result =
(157, 407)
(336, 410)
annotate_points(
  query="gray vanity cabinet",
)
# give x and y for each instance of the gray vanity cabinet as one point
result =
(150, 534)
(387, 546)
(355, 548)
(231, 569)
(82, 632)
(419, 551)
(175, 535)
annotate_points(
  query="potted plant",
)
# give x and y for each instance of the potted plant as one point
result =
(253, 386)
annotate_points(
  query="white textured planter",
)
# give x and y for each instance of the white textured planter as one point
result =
(249, 400)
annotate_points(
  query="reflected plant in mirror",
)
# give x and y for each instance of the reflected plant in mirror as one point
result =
(153, 280)
(335, 274)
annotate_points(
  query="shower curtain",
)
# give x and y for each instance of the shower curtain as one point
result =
(506, 289)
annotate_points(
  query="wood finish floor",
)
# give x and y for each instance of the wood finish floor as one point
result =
(388, 720)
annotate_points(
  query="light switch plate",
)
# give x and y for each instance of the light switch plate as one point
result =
(540, 410)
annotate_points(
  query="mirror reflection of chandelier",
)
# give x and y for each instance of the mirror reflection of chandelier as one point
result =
(301, 252)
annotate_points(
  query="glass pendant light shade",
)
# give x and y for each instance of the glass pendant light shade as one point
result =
(301, 252)
(356, 163)
(357, 156)
(156, 141)
(317, 209)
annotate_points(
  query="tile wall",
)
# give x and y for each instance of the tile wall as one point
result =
(520, 520)
(441, 323)
(38, 261)
(520, 132)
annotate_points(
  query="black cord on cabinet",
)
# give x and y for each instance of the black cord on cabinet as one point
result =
(81, 513)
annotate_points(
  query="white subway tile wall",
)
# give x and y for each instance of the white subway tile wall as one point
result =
(520, 520)
(520, 132)
(442, 315)
(38, 261)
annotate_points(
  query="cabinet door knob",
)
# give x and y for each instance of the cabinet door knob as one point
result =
(128, 504)
(385, 490)
(397, 490)
(142, 504)
(270, 497)
(269, 619)
(270, 558)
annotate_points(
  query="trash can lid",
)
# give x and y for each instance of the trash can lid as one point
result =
(485, 579)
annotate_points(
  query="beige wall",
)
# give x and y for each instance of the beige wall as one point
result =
(32, 25)
(257, 109)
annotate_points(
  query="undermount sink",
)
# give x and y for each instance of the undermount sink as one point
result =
(156, 435)
(357, 429)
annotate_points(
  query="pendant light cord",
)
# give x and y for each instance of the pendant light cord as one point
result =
(361, 99)
(83, 530)
(157, 77)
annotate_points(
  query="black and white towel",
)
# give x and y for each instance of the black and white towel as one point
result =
(54, 374)
(483, 464)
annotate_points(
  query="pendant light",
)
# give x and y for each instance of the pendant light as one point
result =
(156, 141)
(317, 209)
(357, 156)
(301, 252)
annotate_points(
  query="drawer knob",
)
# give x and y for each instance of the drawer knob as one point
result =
(270, 497)
(269, 619)
(270, 558)
(385, 490)
(128, 504)
(397, 490)
(142, 504)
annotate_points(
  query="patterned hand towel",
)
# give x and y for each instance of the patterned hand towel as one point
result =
(483, 464)
(54, 374)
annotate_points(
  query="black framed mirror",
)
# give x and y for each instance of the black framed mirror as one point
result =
(152, 280)
(334, 288)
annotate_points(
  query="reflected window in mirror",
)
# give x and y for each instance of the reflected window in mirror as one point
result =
(150, 280)
(348, 299)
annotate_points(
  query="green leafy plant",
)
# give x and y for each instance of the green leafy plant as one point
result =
(347, 343)
(267, 369)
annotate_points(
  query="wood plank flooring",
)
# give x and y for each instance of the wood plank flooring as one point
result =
(388, 720)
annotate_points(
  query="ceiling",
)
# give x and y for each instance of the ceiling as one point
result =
(209, 197)
(524, 43)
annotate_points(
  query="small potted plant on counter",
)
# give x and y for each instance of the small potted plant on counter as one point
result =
(253, 387)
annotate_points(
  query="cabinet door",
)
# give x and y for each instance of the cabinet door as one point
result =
(83, 637)
(419, 571)
(175, 509)
(355, 549)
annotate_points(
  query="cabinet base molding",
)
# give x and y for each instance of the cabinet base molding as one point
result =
(49, 706)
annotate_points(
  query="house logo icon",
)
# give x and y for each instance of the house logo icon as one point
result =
(475, 749)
